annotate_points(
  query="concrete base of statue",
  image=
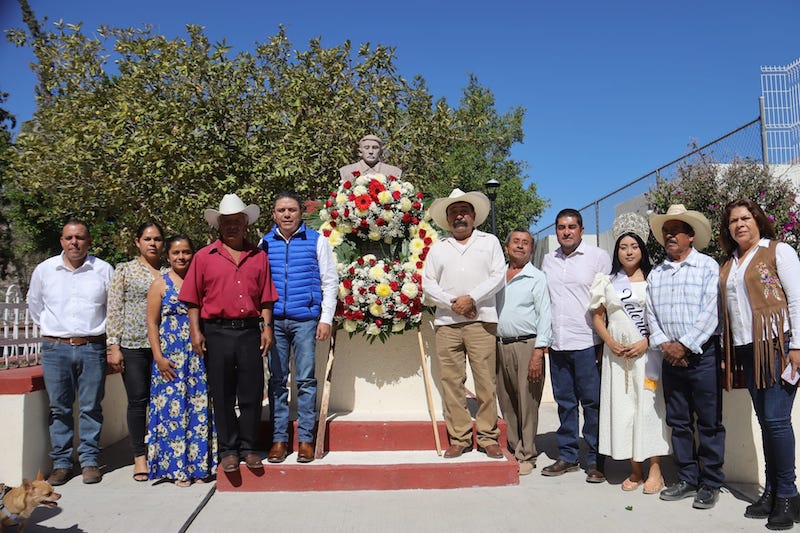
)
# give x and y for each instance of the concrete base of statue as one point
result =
(382, 381)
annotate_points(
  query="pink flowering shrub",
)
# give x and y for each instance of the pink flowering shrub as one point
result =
(707, 186)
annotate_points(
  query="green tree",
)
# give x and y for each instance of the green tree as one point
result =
(132, 126)
(706, 185)
(481, 150)
(7, 123)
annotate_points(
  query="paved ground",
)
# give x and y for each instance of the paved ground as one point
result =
(565, 503)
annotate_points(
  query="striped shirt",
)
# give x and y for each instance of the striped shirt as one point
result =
(682, 301)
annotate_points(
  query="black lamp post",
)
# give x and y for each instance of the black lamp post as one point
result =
(492, 186)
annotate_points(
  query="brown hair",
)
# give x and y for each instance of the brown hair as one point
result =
(765, 227)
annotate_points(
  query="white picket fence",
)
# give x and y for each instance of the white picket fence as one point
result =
(20, 340)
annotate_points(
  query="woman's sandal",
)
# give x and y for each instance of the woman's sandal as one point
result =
(141, 477)
(183, 483)
(653, 488)
(630, 485)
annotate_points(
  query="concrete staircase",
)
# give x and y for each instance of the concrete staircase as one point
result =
(377, 455)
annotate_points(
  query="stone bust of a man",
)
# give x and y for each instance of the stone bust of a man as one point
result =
(370, 148)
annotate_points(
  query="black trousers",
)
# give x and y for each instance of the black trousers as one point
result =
(235, 375)
(136, 377)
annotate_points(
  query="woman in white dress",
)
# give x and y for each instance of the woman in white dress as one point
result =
(631, 400)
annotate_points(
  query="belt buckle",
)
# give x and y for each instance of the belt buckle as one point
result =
(237, 323)
(71, 342)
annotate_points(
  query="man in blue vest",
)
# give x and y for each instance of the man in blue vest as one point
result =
(304, 271)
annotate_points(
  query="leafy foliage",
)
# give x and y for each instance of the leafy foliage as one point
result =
(707, 186)
(133, 126)
(7, 123)
(481, 150)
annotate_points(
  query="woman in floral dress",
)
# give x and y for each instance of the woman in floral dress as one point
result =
(181, 437)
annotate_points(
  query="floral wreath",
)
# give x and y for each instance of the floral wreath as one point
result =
(380, 294)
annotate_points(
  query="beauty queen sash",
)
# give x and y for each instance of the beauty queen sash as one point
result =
(636, 313)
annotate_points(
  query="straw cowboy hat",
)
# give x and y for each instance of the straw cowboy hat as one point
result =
(231, 205)
(479, 202)
(696, 219)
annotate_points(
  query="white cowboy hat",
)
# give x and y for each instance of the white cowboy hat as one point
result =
(696, 219)
(231, 205)
(479, 202)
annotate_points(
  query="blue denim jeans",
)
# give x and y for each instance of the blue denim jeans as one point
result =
(576, 379)
(693, 401)
(66, 368)
(299, 337)
(773, 407)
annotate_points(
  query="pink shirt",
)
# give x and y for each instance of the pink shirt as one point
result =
(223, 289)
(569, 278)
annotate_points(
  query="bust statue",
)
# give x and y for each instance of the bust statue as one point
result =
(370, 148)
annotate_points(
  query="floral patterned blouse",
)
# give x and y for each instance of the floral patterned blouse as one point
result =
(127, 305)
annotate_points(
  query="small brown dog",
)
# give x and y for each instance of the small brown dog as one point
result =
(18, 503)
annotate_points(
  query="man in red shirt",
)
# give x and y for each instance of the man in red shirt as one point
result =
(230, 294)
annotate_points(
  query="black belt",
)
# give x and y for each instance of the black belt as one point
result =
(509, 340)
(235, 323)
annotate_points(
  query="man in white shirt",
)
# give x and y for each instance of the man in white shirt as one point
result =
(67, 300)
(575, 348)
(462, 274)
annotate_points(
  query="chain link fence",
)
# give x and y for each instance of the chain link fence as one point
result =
(745, 142)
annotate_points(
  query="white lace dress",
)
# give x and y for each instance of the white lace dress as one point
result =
(631, 413)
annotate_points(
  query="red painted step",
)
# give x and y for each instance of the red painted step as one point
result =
(402, 454)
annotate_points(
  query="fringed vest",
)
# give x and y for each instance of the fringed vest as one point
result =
(770, 314)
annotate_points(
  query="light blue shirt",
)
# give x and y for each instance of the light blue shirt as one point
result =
(682, 301)
(523, 306)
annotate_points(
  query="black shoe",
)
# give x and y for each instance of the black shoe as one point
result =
(680, 490)
(706, 497)
(761, 507)
(785, 512)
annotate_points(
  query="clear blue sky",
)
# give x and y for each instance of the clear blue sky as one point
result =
(612, 89)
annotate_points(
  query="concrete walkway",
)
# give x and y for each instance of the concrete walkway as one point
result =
(565, 503)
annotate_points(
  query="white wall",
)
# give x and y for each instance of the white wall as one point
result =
(25, 435)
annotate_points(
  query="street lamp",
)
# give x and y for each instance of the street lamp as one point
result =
(492, 186)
